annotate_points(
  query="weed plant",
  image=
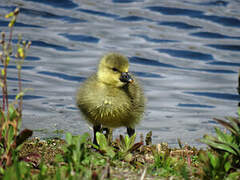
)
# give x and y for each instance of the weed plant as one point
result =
(11, 112)
(222, 161)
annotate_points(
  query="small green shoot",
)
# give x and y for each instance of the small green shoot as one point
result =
(104, 146)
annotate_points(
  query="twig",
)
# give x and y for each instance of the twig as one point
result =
(2, 76)
(20, 102)
(106, 172)
(143, 174)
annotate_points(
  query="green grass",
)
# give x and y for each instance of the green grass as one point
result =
(77, 158)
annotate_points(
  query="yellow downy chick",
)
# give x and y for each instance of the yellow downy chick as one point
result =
(111, 97)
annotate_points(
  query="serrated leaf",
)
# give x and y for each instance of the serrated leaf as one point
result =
(127, 141)
(132, 140)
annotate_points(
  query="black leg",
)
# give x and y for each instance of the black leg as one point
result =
(130, 131)
(96, 128)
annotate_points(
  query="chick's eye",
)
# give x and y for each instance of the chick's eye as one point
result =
(114, 69)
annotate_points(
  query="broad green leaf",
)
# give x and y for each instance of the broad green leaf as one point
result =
(75, 156)
(233, 176)
(69, 138)
(110, 152)
(218, 146)
(59, 158)
(231, 145)
(229, 126)
(227, 166)
(10, 134)
(209, 138)
(13, 114)
(103, 144)
(43, 169)
(235, 124)
(84, 138)
(214, 160)
(239, 112)
(1, 170)
(224, 137)
(58, 173)
(101, 140)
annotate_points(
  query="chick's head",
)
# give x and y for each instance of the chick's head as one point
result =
(113, 70)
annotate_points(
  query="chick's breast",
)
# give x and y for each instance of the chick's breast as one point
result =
(110, 106)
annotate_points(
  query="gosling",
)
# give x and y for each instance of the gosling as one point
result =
(111, 97)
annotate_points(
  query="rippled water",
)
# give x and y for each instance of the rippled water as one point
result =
(186, 54)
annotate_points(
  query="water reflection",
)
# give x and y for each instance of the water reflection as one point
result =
(213, 35)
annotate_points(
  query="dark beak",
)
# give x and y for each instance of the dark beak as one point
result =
(125, 77)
